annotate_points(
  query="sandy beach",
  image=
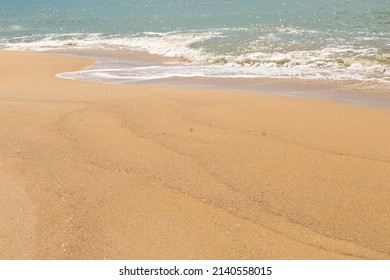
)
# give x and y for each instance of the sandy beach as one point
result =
(98, 171)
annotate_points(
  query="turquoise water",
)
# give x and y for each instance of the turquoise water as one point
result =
(305, 39)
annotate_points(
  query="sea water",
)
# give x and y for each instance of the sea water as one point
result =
(332, 40)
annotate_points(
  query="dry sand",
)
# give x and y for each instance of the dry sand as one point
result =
(90, 171)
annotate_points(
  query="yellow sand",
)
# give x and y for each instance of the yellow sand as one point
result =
(92, 171)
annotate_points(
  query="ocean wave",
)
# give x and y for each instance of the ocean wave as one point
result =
(230, 53)
(133, 74)
(166, 44)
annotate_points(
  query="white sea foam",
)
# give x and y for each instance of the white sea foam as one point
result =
(169, 44)
(268, 70)
(255, 60)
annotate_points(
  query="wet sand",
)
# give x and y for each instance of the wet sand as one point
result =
(96, 171)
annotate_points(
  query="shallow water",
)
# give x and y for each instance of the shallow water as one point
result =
(304, 39)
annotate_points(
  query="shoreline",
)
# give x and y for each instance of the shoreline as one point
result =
(359, 93)
(131, 172)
